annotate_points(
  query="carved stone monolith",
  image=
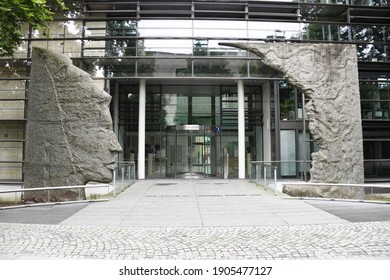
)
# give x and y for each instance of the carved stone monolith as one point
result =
(69, 137)
(328, 75)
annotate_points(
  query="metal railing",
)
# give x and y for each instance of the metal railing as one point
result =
(371, 191)
(264, 173)
(50, 189)
(302, 167)
(124, 175)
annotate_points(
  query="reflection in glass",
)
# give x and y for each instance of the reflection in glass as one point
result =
(14, 69)
(375, 109)
(165, 28)
(375, 100)
(287, 101)
(145, 67)
(94, 48)
(165, 47)
(324, 13)
(287, 153)
(220, 29)
(258, 69)
(176, 108)
(11, 149)
(278, 30)
(218, 67)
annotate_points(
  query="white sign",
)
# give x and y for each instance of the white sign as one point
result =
(190, 127)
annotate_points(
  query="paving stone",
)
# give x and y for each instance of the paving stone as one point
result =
(281, 242)
(268, 227)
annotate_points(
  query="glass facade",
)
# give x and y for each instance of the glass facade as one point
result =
(193, 80)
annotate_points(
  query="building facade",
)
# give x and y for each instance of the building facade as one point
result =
(185, 106)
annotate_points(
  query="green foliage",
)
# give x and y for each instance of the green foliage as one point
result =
(14, 14)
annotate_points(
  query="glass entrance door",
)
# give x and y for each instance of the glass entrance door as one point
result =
(190, 151)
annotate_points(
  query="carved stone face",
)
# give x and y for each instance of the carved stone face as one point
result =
(69, 136)
(92, 142)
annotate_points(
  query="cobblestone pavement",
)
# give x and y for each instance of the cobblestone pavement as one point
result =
(327, 241)
(198, 219)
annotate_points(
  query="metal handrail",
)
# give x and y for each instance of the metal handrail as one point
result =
(303, 165)
(125, 164)
(343, 185)
(130, 172)
(265, 166)
(48, 189)
(56, 188)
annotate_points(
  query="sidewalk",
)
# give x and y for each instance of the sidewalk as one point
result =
(197, 219)
(199, 203)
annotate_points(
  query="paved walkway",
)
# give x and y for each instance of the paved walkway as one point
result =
(199, 203)
(196, 219)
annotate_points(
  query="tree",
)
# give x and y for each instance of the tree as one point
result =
(15, 13)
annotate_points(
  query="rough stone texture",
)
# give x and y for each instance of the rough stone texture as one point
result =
(69, 137)
(325, 191)
(328, 75)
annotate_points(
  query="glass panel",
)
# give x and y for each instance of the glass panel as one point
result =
(12, 89)
(104, 67)
(375, 110)
(162, 47)
(121, 28)
(121, 48)
(301, 143)
(374, 53)
(324, 13)
(230, 141)
(95, 29)
(182, 153)
(220, 29)
(171, 153)
(384, 90)
(207, 47)
(370, 33)
(270, 30)
(73, 28)
(258, 69)
(198, 154)
(94, 48)
(229, 105)
(376, 156)
(287, 102)
(14, 69)
(176, 108)
(11, 149)
(146, 67)
(191, 152)
(165, 67)
(11, 110)
(10, 107)
(165, 28)
(154, 154)
(201, 110)
(21, 50)
(365, 90)
(287, 153)
(219, 68)
(72, 48)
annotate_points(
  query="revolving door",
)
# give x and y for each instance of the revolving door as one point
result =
(191, 151)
